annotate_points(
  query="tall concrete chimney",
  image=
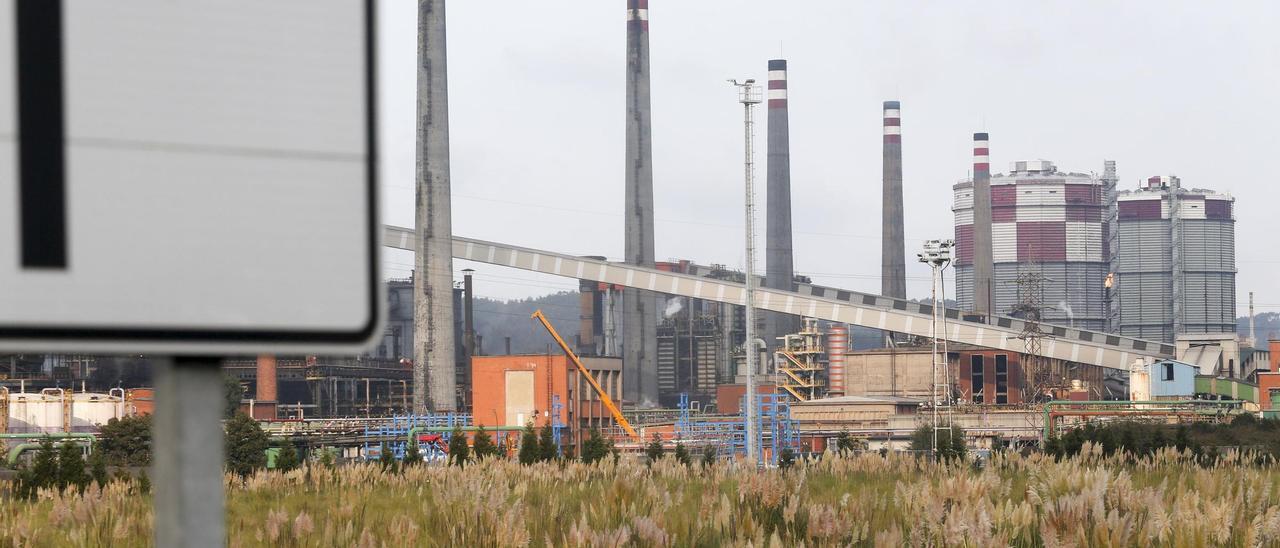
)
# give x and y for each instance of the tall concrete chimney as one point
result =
(983, 261)
(778, 259)
(893, 247)
(639, 321)
(434, 381)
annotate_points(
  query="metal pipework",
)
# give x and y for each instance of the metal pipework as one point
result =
(16, 451)
(1153, 405)
(413, 432)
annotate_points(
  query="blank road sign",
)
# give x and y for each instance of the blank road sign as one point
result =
(187, 176)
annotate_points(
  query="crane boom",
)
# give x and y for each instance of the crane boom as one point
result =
(582, 369)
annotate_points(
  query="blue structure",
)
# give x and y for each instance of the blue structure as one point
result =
(1172, 379)
(775, 430)
(395, 435)
(557, 426)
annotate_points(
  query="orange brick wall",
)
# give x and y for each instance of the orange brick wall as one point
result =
(729, 396)
(489, 383)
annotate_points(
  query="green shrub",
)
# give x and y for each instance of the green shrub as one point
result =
(654, 451)
(232, 392)
(547, 450)
(951, 443)
(459, 452)
(594, 447)
(528, 446)
(412, 455)
(786, 458)
(682, 454)
(708, 455)
(483, 446)
(126, 441)
(98, 465)
(387, 458)
(71, 470)
(246, 445)
(288, 458)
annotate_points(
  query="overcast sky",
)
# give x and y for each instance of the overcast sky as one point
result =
(536, 97)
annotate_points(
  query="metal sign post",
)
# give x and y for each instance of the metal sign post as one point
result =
(187, 465)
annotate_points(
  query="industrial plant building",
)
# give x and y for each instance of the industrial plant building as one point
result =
(1175, 269)
(545, 390)
(1045, 223)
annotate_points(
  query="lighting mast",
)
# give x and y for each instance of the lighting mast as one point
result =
(749, 95)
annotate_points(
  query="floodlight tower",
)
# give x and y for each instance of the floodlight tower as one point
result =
(749, 95)
(937, 254)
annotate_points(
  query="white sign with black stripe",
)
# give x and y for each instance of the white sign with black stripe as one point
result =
(158, 152)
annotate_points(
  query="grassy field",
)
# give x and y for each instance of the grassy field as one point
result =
(1162, 500)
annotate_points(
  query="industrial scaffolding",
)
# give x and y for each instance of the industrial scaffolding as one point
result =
(799, 359)
(774, 430)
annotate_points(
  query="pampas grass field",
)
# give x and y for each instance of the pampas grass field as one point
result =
(1167, 499)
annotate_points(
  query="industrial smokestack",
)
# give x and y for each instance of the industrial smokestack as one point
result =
(893, 247)
(434, 374)
(266, 394)
(588, 305)
(983, 261)
(1253, 341)
(779, 258)
(468, 321)
(639, 322)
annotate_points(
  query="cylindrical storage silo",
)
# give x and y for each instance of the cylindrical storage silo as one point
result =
(837, 346)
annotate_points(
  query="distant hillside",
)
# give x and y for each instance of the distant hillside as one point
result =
(1266, 323)
(496, 320)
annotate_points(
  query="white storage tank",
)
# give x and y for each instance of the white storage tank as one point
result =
(50, 409)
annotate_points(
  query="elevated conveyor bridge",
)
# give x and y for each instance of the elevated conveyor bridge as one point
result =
(837, 305)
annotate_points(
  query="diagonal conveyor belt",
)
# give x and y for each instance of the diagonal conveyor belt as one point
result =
(863, 309)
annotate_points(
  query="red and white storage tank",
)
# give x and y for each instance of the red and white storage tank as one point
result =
(1042, 219)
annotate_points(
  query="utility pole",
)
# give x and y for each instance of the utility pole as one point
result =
(749, 96)
(1030, 310)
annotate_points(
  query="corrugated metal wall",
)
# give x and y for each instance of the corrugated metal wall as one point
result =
(1144, 281)
(1210, 290)
(964, 288)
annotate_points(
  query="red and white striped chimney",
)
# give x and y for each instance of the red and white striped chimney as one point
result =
(983, 258)
(893, 247)
(892, 122)
(981, 154)
(777, 83)
(638, 13)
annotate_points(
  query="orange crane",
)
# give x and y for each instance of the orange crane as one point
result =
(582, 369)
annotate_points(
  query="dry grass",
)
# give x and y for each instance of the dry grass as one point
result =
(1164, 500)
